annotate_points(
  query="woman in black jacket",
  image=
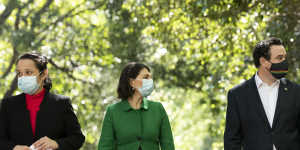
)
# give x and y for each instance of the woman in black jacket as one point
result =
(37, 118)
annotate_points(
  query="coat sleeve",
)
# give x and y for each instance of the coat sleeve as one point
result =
(297, 97)
(5, 142)
(107, 140)
(165, 138)
(74, 138)
(232, 135)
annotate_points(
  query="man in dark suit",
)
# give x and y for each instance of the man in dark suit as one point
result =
(263, 112)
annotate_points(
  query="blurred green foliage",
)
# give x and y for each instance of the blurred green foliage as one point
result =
(197, 49)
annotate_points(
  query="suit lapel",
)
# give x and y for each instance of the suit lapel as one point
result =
(41, 115)
(282, 93)
(24, 113)
(254, 96)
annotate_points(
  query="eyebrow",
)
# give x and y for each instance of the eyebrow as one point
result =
(146, 75)
(26, 69)
(281, 55)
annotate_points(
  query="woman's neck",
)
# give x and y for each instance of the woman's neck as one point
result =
(135, 101)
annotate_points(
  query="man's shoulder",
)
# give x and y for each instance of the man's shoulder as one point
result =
(242, 86)
(290, 83)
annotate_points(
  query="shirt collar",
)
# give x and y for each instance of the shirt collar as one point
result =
(126, 106)
(259, 82)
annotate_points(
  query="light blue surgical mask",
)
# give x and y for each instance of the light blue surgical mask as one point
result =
(147, 87)
(28, 84)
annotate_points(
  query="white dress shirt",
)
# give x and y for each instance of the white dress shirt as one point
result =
(268, 95)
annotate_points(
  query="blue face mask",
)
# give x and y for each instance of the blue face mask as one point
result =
(28, 84)
(147, 87)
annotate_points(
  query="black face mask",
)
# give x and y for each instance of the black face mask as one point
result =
(279, 70)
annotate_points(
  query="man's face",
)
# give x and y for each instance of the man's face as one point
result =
(278, 54)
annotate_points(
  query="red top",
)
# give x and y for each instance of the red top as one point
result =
(33, 105)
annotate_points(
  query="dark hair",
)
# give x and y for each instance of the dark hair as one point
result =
(262, 49)
(40, 62)
(131, 71)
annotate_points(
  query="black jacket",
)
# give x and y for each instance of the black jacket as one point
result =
(247, 125)
(55, 119)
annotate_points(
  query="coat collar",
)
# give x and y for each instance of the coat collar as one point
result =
(254, 96)
(282, 96)
(126, 106)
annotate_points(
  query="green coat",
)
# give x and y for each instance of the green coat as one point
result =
(126, 129)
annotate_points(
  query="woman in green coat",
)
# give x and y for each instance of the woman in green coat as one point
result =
(136, 123)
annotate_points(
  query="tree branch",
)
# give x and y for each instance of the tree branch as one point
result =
(12, 4)
(26, 4)
(61, 18)
(12, 62)
(13, 87)
(22, 7)
(18, 16)
(69, 14)
(64, 69)
(15, 52)
(37, 16)
(67, 71)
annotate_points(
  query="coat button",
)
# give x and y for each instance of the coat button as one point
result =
(139, 138)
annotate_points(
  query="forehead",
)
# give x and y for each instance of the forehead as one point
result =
(144, 71)
(276, 50)
(26, 64)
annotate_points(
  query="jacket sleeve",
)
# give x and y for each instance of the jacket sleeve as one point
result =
(5, 142)
(232, 135)
(165, 138)
(297, 97)
(74, 138)
(107, 140)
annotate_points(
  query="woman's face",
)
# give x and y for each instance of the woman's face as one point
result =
(138, 81)
(26, 67)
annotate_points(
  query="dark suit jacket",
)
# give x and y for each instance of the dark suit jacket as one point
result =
(247, 125)
(55, 119)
